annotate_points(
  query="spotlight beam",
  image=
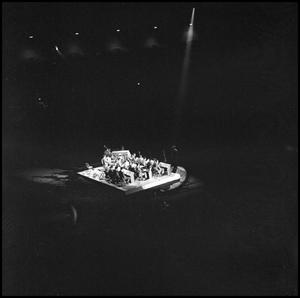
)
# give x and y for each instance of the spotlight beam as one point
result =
(192, 18)
(183, 80)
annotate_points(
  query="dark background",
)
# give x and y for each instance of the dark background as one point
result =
(238, 136)
(242, 79)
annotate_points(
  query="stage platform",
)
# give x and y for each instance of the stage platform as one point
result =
(136, 186)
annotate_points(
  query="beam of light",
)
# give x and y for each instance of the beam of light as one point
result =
(57, 177)
(151, 42)
(184, 76)
(29, 54)
(192, 18)
(75, 215)
(116, 46)
(74, 50)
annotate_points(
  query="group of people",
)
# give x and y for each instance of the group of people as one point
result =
(116, 165)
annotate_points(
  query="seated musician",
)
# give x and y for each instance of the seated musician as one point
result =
(126, 165)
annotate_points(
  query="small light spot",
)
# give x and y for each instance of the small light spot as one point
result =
(155, 27)
(30, 36)
(58, 50)
(191, 24)
(118, 30)
(138, 83)
(76, 33)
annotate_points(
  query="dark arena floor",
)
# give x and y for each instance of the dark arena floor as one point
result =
(230, 229)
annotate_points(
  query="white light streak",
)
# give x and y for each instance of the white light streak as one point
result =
(58, 51)
(184, 76)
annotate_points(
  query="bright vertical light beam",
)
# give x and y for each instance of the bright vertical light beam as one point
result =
(184, 76)
(192, 18)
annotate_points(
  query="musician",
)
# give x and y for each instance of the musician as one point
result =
(107, 151)
(126, 165)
